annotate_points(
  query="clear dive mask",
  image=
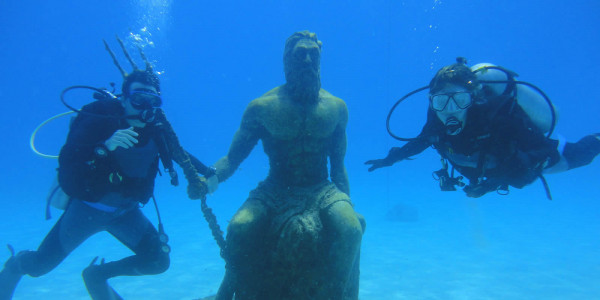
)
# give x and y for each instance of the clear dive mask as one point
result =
(439, 102)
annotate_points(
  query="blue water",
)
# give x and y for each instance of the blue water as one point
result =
(216, 56)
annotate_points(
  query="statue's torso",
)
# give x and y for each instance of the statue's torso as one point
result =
(297, 136)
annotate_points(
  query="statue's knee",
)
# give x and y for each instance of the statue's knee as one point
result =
(246, 224)
(355, 232)
(243, 223)
(345, 222)
(363, 222)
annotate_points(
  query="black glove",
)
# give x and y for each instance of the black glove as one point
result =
(384, 162)
(378, 163)
(197, 188)
(482, 188)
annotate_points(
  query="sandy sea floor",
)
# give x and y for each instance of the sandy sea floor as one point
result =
(434, 248)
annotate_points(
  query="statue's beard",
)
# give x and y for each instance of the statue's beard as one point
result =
(304, 85)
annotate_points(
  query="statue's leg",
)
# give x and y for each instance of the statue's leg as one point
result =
(244, 255)
(227, 288)
(351, 292)
(343, 231)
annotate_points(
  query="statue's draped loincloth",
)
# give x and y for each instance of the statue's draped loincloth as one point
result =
(290, 209)
(294, 245)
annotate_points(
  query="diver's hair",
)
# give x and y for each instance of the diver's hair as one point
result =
(295, 38)
(457, 74)
(146, 77)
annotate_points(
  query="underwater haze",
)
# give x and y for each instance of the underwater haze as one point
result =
(214, 57)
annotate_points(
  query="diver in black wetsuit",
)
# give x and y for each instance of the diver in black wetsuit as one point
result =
(108, 166)
(488, 138)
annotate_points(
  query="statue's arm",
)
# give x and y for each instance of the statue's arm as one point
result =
(338, 173)
(244, 140)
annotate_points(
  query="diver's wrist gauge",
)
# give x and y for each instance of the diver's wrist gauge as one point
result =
(101, 151)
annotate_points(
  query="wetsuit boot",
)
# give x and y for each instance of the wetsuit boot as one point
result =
(151, 258)
(10, 276)
(96, 281)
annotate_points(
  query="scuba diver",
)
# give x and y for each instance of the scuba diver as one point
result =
(107, 167)
(490, 128)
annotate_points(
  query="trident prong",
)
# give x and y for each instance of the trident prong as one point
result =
(115, 61)
(127, 54)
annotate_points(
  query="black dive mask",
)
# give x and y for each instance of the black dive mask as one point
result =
(147, 101)
(144, 99)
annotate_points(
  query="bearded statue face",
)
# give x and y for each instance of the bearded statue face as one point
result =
(302, 66)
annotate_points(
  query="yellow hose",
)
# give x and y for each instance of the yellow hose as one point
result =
(32, 139)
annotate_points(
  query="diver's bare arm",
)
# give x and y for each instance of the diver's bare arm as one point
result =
(243, 142)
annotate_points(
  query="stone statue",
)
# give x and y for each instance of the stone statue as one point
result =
(297, 235)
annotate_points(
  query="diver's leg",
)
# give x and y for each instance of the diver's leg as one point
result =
(136, 232)
(10, 276)
(343, 230)
(583, 152)
(77, 223)
(244, 240)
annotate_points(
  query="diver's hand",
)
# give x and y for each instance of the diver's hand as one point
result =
(212, 183)
(197, 188)
(125, 138)
(478, 190)
(378, 163)
(395, 154)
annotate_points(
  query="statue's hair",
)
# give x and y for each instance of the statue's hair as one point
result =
(295, 38)
(146, 76)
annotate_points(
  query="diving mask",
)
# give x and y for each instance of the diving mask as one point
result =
(141, 99)
(439, 102)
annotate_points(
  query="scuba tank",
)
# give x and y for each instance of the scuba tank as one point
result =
(499, 81)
